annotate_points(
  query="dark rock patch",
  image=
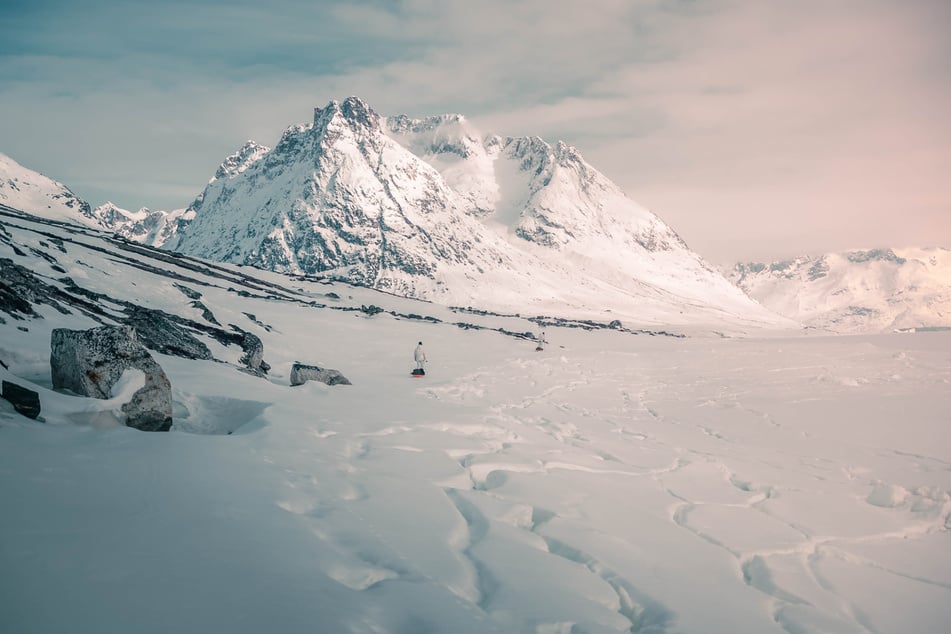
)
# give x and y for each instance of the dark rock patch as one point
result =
(188, 292)
(25, 401)
(158, 331)
(253, 357)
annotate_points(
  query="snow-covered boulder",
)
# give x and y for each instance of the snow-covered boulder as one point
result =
(91, 362)
(301, 373)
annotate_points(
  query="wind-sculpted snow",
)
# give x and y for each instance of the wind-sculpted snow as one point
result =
(613, 482)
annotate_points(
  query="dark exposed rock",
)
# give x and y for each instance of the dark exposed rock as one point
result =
(206, 313)
(260, 323)
(253, 357)
(19, 289)
(188, 292)
(371, 309)
(91, 362)
(301, 373)
(26, 402)
(819, 269)
(157, 331)
(587, 324)
(883, 255)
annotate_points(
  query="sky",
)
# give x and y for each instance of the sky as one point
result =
(757, 130)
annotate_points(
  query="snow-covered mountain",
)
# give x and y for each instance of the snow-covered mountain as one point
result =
(856, 291)
(431, 208)
(23, 188)
(149, 227)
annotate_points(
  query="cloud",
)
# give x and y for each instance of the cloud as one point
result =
(752, 128)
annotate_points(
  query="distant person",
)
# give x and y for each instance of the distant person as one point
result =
(541, 342)
(420, 356)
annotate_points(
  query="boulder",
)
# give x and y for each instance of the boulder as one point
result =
(26, 402)
(253, 357)
(301, 373)
(90, 362)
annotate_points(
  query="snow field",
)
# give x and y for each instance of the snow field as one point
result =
(612, 483)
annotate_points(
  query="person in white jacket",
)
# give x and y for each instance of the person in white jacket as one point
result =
(420, 356)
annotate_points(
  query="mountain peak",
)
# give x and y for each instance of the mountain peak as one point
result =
(433, 209)
(352, 112)
(238, 162)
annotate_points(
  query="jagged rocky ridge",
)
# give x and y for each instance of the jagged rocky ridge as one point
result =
(151, 227)
(856, 291)
(430, 208)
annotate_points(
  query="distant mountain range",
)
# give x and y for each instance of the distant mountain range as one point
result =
(433, 209)
(856, 291)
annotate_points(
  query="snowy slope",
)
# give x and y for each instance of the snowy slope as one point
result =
(857, 291)
(545, 195)
(614, 482)
(430, 209)
(23, 188)
(146, 226)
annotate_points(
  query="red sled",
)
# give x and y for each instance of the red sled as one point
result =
(418, 373)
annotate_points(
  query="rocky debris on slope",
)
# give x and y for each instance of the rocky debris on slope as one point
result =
(91, 362)
(301, 373)
(260, 323)
(156, 331)
(20, 289)
(195, 296)
(24, 401)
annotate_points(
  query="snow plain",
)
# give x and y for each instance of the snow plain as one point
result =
(611, 483)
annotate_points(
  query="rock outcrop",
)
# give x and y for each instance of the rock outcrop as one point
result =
(26, 402)
(157, 331)
(253, 357)
(301, 373)
(20, 289)
(91, 362)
